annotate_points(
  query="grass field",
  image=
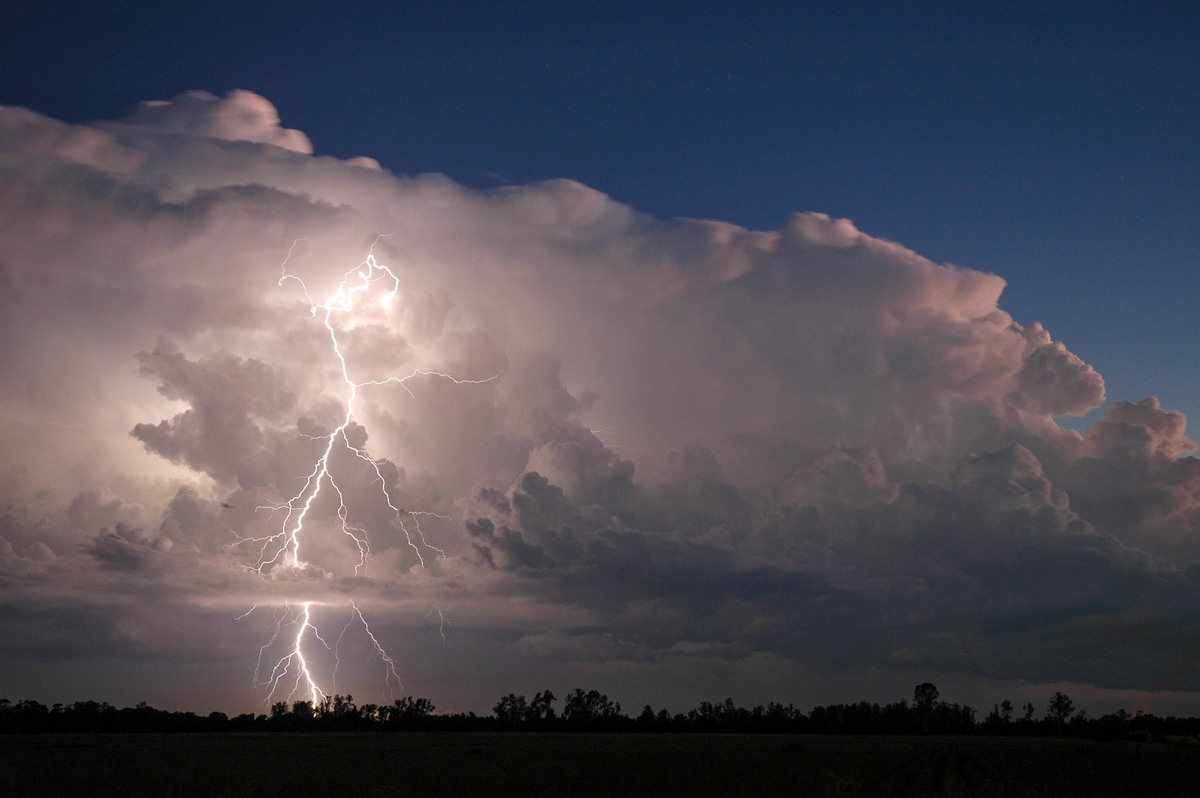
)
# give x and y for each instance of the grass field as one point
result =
(403, 764)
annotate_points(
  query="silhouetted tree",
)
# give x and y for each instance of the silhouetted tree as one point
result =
(246, 722)
(1000, 718)
(406, 712)
(953, 718)
(511, 710)
(593, 711)
(589, 708)
(541, 708)
(723, 716)
(1059, 710)
(925, 697)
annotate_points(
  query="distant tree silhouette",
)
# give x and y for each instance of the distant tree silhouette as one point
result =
(406, 712)
(336, 706)
(593, 711)
(511, 710)
(1059, 710)
(303, 712)
(723, 716)
(541, 708)
(340, 712)
(925, 697)
(589, 708)
(1000, 717)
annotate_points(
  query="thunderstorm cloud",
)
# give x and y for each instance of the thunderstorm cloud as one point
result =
(675, 456)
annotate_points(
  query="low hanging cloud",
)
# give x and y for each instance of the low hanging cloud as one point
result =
(635, 440)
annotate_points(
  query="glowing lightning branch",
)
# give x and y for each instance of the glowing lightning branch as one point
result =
(442, 622)
(390, 674)
(302, 680)
(292, 672)
(283, 548)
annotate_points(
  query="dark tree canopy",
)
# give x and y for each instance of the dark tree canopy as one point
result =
(592, 710)
(925, 695)
(1060, 708)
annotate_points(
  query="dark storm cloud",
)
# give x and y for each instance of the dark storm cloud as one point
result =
(928, 577)
(125, 549)
(675, 439)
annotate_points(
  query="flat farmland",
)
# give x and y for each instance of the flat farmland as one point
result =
(485, 764)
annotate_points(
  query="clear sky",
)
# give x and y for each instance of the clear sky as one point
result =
(755, 395)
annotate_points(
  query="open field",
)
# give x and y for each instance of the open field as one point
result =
(402, 764)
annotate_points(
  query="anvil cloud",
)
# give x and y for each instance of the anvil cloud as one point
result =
(699, 458)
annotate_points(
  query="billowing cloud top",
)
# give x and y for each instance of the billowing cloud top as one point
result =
(662, 441)
(238, 116)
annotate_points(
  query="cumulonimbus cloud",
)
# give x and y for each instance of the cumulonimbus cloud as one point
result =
(680, 434)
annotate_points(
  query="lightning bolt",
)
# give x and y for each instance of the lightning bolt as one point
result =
(391, 675)
(292, 674)
(293, 666)
(442, 622)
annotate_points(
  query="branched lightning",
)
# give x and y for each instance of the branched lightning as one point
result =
(283, 548)
(291, 675)
(293, 666)
(442, 622)
(391, 675)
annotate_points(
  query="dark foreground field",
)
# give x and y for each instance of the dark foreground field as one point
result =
(266, 765)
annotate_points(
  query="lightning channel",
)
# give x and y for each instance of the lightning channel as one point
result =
(292, 674)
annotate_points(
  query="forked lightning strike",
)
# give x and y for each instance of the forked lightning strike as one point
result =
(292, 674)
(293, 665)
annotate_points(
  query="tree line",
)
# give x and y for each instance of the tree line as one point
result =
(591, 710)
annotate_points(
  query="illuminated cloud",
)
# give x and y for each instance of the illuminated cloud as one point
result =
(683, 442)
(238, 116)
